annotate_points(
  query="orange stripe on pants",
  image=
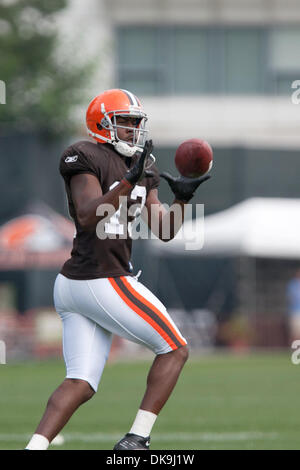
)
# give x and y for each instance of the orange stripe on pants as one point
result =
(152, 307)
(142, 314)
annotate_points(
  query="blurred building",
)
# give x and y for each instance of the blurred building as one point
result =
(219, 69)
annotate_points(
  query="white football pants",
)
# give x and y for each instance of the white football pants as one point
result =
(93, 310)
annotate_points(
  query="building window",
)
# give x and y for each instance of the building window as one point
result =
(284, 59)
(243, 52)
(182, 60)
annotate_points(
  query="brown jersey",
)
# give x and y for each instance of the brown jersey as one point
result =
(109, 256)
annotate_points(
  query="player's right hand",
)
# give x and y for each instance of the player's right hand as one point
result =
(138, 171)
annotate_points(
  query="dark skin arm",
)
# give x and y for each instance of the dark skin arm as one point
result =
(87, 196)
(157, 216)
(87, 193)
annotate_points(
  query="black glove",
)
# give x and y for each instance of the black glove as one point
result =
(138, 172)
(182, 187)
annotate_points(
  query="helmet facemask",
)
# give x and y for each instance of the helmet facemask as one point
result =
(138, 132)
(129, 148)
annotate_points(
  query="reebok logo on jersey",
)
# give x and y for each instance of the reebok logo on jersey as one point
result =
(72, 159)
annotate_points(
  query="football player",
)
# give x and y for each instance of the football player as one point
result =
(96, 294)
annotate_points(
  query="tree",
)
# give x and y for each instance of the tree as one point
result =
(41, 92)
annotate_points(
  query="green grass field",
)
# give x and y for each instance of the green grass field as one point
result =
(220, 402)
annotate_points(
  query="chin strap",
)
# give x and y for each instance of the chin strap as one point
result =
(128, 151)
(125, 149)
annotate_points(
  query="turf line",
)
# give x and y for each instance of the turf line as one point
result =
(162, 437)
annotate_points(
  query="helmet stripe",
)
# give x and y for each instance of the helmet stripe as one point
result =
(131, 97)
(138, 101)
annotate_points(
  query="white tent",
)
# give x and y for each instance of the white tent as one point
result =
(257, 227)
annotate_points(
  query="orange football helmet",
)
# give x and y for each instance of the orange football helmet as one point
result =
(101, 120)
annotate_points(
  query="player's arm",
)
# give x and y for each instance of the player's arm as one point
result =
(87, 193)
(87, 196)
(165, 224)
(162, 222)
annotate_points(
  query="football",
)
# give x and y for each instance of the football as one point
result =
(193, 158)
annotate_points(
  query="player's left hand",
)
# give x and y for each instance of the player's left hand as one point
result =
(182, 187)
(138, 171)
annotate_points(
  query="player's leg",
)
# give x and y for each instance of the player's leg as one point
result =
(161, 381)
(167, 341)
(162, 378)
(62, 404)
(86, 346)
(133, 312)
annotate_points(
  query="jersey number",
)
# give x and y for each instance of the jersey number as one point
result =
(121, 218)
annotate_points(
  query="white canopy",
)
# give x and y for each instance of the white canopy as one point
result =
(258, 227)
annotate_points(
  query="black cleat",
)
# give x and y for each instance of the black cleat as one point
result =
(133, 442)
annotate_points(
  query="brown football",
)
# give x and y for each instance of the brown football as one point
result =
(193, 158)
